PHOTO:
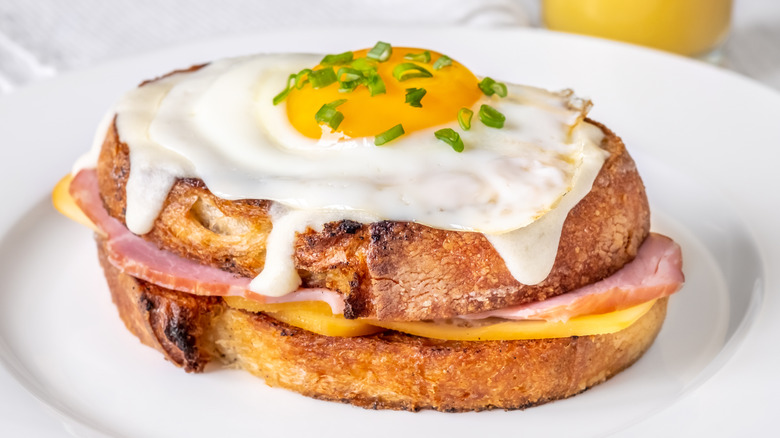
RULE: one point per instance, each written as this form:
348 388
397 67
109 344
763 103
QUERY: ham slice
142 259
656 272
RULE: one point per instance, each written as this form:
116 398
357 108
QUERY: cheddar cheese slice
317 317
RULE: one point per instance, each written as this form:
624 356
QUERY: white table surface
43 38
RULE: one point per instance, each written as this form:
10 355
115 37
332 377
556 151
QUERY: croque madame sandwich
389 230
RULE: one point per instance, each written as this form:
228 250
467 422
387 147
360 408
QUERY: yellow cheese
65 204
508 330
317 317
314 316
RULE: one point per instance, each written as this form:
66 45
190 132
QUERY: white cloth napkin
42 37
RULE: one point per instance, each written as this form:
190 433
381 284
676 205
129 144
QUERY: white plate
706 142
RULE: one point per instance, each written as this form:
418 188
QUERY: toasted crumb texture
397 371
389 370
397 270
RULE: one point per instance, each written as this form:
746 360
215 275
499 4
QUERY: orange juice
687 27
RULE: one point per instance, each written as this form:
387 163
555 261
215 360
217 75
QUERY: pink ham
142 259
656 272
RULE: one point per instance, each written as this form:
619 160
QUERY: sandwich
377 227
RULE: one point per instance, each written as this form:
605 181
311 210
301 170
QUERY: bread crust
397 270
388 370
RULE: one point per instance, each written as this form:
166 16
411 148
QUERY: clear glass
688 27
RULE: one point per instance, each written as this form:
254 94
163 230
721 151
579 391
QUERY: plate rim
746 326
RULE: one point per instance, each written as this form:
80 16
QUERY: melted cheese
309 315
65 204
317 317
529 329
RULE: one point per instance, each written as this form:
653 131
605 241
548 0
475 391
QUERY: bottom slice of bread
388 370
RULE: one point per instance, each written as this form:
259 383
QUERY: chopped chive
491 117
391 134
464 118
348 74
348 87
414 96
419 57
375 84
349 79
490 87
364 64
299 81
329 115
337 59
486 85
443 61
322 77
381 52
500 89
336 103
279 98
450 137
407 70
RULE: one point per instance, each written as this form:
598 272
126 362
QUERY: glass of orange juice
689 27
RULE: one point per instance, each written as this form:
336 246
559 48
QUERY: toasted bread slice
398 270
388 370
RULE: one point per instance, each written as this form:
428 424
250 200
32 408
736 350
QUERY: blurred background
43 38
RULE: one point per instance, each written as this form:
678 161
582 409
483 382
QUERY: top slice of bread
397 270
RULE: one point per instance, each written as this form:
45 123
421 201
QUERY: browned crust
398 270
389 370
172 322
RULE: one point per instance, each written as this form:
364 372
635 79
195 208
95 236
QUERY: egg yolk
448 90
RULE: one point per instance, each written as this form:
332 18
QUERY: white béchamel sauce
516 185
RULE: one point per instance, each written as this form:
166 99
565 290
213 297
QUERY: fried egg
253 128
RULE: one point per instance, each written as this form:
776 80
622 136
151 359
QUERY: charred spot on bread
172 322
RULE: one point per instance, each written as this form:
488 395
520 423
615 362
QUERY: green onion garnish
348 87
414 96
450 137
407 70
391 134
279 98
329 115
490 87
381 52
339 59
337 102
491 117
500 89
464 118
299 81
443 61
322 77
375 84
419 57
349 79
363 64
348 74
